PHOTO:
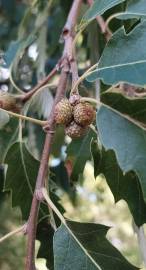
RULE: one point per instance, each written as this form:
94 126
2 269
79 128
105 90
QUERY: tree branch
67 35
28 95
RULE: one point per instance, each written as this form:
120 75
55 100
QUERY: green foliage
99 7
114 147
123 66
125 138
78 152
15 48
90 250
8 135
134 9
135 108
21 176
123 186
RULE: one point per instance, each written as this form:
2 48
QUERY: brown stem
104 29
28 95
49 137
32 223
72 18
67 35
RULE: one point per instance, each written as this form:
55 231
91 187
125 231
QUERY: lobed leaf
117 64
126 139
123 186
21 176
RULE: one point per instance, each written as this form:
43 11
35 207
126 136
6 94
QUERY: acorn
63 112
75 131
84 114
9 102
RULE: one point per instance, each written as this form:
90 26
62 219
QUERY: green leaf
78 152
117 64
93 250
127 139
99 7
134 9
8 135
136 108
21 176
126 187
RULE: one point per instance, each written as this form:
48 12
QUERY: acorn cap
84 114
63 112
75 131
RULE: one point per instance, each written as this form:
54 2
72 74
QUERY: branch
102 24
28 95
67 35
8 235
75 76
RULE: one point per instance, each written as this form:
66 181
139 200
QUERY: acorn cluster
75 115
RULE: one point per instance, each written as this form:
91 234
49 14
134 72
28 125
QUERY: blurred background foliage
40 28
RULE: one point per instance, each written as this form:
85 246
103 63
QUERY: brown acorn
63 112
84 114
10 103
75 131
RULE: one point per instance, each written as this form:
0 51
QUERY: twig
80 79
102 24
74 70
94 129
8 235
25 97
23 117
28 95
67 35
